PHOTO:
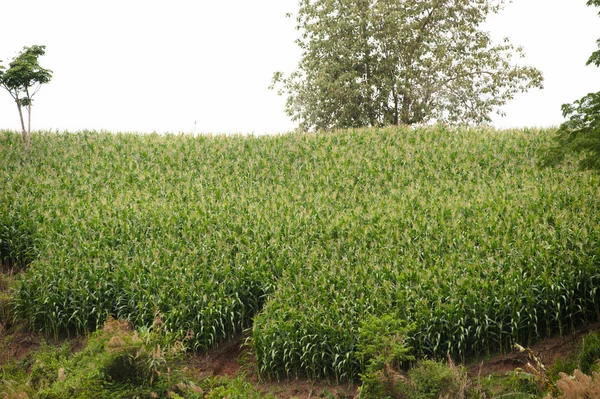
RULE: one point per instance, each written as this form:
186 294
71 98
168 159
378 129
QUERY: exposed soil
223 360
15 345
547 351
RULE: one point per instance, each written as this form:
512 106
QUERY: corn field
299 237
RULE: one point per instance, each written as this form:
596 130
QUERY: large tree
581 132
595 57
22 80
380 62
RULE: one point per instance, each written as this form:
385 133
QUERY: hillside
301 238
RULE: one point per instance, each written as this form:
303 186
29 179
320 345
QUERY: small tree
22 80
581 132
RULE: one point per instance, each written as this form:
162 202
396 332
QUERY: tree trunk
395 107
23 131
28 125
405 110
28 117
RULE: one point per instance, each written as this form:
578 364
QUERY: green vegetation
116 362
585 358
581 132
455 232
22 80
379 63
571 378
590 354
382 349
428 379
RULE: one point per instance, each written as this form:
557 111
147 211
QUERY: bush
431 379
116 358
590 353
382 350
567 366
237 388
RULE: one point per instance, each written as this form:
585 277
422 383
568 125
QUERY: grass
299 237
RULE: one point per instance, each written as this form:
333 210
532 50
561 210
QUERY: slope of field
302 237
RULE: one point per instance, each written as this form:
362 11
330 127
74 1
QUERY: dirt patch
222 360
15 345
548 351
17 342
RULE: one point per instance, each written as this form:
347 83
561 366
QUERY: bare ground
548 351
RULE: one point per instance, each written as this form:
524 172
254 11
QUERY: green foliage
117 362
580 134
24 72
17 237
567 366
116 358
595 57
453 231
521 384
23 79
589 356
46 365
432 380
381 342
237 388
382 349
428 379
375 63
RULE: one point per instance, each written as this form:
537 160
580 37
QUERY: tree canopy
580 134
381 62
23 79
595 57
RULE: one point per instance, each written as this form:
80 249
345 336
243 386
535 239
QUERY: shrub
431 379
590 353
382 349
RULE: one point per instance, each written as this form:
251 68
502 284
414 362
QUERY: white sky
162 66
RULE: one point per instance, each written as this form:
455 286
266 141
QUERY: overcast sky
201 65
